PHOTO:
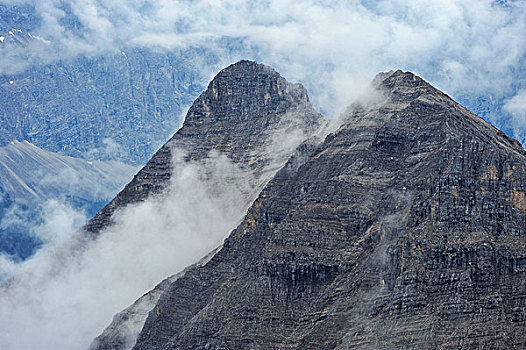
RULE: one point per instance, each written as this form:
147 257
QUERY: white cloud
68 292
333 47
516 106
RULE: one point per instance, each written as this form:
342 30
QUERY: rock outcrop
248 113
251 115
404 229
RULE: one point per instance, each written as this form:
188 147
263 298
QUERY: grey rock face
249 113
127 324
403 229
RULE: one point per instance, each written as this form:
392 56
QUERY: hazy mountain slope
251 115
31 173
404 229
119 105
16 239
30 176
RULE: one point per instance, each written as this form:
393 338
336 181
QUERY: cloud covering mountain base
69 291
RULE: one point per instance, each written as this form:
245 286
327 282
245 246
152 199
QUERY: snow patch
39 38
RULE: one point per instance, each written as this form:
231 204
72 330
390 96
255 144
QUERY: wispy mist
68 292
516 106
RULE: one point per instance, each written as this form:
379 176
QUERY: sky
473 50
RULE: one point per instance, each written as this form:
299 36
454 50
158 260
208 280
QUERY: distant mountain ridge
120 105
113 107
33 174
30 176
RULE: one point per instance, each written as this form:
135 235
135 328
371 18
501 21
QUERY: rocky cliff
248 113
405 229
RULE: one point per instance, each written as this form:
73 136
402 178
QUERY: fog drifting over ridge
67 293
473 47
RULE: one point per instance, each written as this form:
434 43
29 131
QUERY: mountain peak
239 115
244 69
406 91
247 65
403 85
243 89
411 213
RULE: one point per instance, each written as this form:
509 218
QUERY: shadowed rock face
405 228
243 114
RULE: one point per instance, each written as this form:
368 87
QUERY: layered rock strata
248 113
404 229
251 115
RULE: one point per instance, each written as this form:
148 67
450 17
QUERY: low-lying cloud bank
66 294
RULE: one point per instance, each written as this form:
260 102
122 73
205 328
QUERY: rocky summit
245 114
403 229
250 115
